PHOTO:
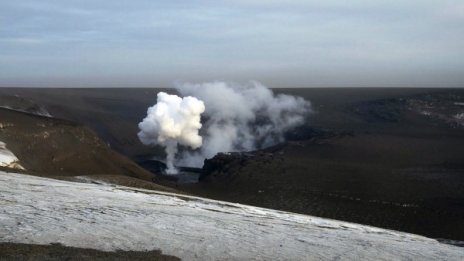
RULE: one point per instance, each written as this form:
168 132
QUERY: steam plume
242 117
171 121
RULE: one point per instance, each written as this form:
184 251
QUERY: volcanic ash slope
38 210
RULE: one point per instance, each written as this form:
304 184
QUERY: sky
152 43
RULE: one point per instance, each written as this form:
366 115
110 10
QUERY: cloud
296 43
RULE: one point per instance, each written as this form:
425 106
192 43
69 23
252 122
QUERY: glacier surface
37 210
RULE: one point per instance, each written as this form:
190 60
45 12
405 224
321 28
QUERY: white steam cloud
172 121
241 118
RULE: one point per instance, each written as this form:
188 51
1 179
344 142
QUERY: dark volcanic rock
382 110
224 165
154 166
312 134
442 108
158 168
306 132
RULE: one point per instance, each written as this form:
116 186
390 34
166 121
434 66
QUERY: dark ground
60 148
391 158
56 252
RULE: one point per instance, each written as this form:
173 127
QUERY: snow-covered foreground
42 211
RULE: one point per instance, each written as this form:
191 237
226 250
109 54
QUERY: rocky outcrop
224 166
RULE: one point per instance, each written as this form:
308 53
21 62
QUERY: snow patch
40 111
8 159
459 116
426 113
38 210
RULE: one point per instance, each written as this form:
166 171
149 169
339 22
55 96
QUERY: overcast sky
149 43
